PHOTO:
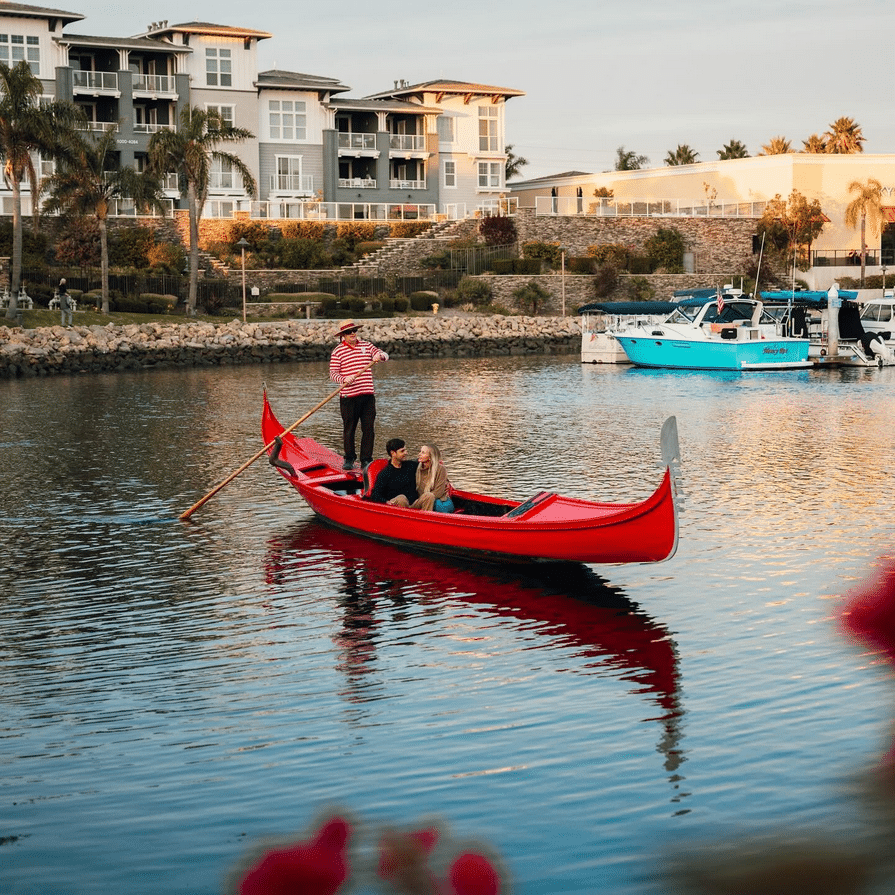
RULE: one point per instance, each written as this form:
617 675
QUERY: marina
179 694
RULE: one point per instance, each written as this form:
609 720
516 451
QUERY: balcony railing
145 127
850 258
407 142
357 183
352 140
407 184
94 81
292 183
617 208
324 211
98 126
127 208
154 84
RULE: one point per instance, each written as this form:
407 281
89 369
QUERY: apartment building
415 151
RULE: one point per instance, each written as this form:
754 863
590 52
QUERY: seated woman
432 482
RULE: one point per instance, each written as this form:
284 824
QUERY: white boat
861 342
734 333
600 320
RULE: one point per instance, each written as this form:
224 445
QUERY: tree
514 164
776 146
815 144
189 152
790 224
27 127
89 182
666 250
733 149
844 137
629 160
867 205
683 155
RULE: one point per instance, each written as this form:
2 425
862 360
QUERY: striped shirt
347 361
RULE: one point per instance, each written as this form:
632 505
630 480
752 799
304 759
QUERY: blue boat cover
811 298
628 307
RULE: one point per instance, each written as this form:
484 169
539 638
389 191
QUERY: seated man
396 483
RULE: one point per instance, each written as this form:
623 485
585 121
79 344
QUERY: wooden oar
186 515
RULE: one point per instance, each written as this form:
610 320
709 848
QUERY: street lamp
884 280
243 244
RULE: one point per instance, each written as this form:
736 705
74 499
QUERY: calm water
175 693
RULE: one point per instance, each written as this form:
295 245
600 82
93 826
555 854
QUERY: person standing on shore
357 402
64 303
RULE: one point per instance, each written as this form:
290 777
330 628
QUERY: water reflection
568 605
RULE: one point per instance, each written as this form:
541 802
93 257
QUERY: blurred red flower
473 874
869 612
318 865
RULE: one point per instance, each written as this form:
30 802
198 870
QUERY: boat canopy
706 294
807 297
633 308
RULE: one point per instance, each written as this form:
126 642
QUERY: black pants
359 409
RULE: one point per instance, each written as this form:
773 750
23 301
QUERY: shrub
581 265
356 304
130 247
640 289
256 233
498 230
531 297
386 302
367 247
610 253
640 264
605 280
401 304
304 230
666 250
422 301
302 254
473 291
437 261
156 303
548 252
409 229
166 256
356 231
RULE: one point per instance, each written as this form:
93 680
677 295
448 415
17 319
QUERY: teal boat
716 333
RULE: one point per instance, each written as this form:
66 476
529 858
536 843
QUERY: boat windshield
682 315
877 311
732 312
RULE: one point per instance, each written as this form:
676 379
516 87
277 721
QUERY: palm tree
626 160
683 155
514 164
777 146
844 137
815 144
26 128
866 205
733 149
89 181
189 152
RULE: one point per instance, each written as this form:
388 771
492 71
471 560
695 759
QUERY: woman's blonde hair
428 483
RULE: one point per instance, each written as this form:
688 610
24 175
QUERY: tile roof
442 85
159 28
25 10
295 80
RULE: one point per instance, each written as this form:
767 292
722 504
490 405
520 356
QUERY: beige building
737 188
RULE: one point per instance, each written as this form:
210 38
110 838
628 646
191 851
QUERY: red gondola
545 528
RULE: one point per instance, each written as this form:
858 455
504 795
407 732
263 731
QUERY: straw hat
349 326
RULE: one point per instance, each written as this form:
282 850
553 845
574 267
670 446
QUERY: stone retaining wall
51 350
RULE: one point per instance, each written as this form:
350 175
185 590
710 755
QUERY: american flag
720 301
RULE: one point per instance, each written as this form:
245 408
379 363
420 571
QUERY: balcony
293 184
96 83
154 86
357 183
407 184
407 142
99 127
357 144
145 127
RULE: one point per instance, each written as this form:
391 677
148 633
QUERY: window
450 174
489 175
226 113
287 120
15 48
221 174
487 129
445 127
218 67
288 178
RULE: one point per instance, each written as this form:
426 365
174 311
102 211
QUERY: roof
379 105
25 11
551 177
455 88
137 43
157 29
277 79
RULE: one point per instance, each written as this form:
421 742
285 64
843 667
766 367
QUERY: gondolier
357 402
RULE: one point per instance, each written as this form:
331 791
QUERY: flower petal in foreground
318 865
869 612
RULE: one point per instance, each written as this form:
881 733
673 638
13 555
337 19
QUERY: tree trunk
15 269
194 249
863 247
104 262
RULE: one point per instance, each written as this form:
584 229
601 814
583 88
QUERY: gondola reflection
570 604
